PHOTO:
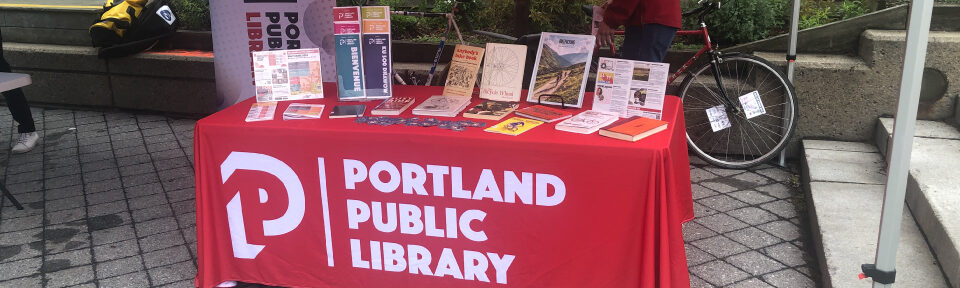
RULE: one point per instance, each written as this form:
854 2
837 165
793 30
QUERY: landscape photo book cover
561 68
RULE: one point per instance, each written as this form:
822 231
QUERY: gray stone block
177 95
173 273
68 88
842 166
137 279
122 266
719 273
82 58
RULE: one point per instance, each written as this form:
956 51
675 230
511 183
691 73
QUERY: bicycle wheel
746 139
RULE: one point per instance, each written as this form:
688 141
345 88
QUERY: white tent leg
791 55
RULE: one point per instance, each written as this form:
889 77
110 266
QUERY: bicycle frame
707 48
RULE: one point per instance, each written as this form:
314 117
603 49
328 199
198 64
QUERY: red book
544 113
633 128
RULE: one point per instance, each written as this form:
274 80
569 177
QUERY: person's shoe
25 143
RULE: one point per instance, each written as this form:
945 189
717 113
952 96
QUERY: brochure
491 110
462 76
631 88
392 106
346 38
303 111
503 72
377 60
544 113
282 75
261 111
439 105
514 126
587 122
561 68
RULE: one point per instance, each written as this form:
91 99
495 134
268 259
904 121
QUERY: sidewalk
110 203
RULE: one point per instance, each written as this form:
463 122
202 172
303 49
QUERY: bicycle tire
697 96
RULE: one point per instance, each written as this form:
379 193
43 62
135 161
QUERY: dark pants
16 101
647 43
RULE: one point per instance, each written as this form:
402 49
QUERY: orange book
633 128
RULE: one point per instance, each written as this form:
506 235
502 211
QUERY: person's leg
16 101
655 40
632 41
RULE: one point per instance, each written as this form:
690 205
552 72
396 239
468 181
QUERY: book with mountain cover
491 110
561 68
633 128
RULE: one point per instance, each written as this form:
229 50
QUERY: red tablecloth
290 203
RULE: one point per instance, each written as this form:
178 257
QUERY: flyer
346 33
261 111
287 75
631 88
377 60
298 111
464 66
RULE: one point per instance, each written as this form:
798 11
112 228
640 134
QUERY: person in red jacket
650 27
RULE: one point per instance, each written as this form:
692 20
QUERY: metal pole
918 30
791 56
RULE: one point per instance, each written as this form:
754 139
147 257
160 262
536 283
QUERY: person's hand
605 34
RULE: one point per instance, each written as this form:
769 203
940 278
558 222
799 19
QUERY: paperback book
440 105
393 106
462 76
281 75
261 111
544 113
298 111
377 60
346 38
631 88
491 110
561 68
587 122
514 126
633 128
347 111
503 72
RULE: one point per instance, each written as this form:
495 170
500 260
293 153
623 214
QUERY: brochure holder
563 104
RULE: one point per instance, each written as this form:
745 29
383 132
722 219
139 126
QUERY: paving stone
58 240
789 278
120 144
786 253
162 146
697 175
68 277
170 137
107 208
137 180
693 231
61 171
696 282
184 207
100 165
161 241
180 183
147 201
26 168
151 213
126 136
65 216
173 163
101 175
721 223
783 229
695 256
122 129
754 263
32 281
135 159
65 192
187 220
20 237
130 151
753 238
723 172
10 253
57 262
783 208
169 154
121 266
702 211
115 250
167 256
721 203
22 223
777 190
136 279
719 273
102 186
21 268
181 194
25 187
113 235
753 179
176 173
173 273
156 226
137 169
95 148
24 177
777 174
752 215
143 190
719 187
720 246
751 197
27 197
700 192
64 204
180 284
751 283
105 197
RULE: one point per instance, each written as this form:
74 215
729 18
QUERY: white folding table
10 81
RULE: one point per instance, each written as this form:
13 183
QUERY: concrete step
933 188
48 23
845 185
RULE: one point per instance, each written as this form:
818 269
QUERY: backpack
127 27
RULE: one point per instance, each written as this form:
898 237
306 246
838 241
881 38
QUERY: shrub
193 14
743 21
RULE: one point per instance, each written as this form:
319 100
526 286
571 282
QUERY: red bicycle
740 110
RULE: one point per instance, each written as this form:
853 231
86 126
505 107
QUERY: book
303 111
439 105
503 72
346 38
347 111
282 75
587 122
491 110
561 68
630 88
261 111
462 75
392 106
544 113
514 126
633 128
377 56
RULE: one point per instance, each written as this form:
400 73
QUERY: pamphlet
440 105
587 122
752 105
261 111
377 60
464 66
491 110
631 88
561 68
544 113
718 118
503 72
346 37
282 75
298 111
514 126
392 106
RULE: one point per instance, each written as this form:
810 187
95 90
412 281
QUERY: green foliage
193 14
742 21
814 18
850 9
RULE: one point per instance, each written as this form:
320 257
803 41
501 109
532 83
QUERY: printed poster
464 66
503 72
561 68
631 88
287 75
346 25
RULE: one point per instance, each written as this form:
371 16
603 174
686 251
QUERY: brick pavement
110 203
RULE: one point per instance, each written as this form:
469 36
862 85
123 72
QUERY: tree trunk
522 17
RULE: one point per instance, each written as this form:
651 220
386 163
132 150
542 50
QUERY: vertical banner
377 60
242 27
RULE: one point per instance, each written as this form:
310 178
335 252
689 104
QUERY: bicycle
451 23
745 139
